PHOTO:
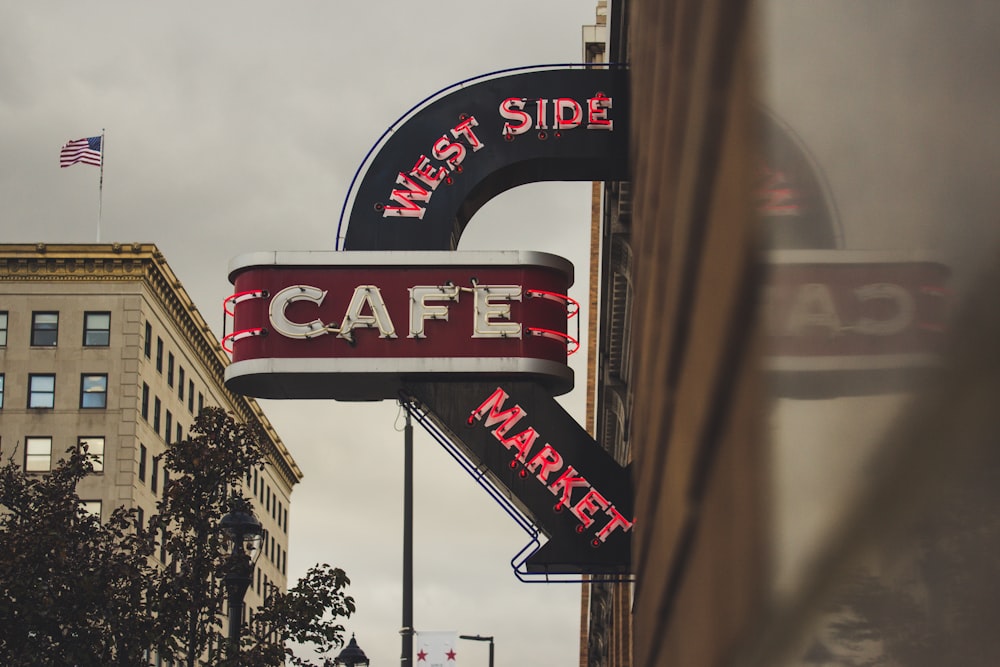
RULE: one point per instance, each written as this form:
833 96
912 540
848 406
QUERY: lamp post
479 638
242 534
352 655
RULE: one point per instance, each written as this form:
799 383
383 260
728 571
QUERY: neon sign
549 468
351 325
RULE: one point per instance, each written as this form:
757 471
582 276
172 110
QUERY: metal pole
480 638
406 657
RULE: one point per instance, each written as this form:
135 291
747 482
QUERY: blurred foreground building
815 452
101 344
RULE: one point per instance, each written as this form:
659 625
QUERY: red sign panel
355 325
853 319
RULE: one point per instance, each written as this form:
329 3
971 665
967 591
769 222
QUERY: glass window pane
94 393
3 329
44 329
38 454
41 391
92 507
95 448
1 391
97 329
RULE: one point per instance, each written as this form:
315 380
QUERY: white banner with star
436 649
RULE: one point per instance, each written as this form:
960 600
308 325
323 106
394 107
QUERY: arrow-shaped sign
570 487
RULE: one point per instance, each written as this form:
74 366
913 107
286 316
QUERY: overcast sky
234 127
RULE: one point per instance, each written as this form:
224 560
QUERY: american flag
87 151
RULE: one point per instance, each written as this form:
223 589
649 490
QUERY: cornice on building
117 262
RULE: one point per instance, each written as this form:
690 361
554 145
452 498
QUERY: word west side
450 150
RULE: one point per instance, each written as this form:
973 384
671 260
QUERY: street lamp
352 655
242 534
478 638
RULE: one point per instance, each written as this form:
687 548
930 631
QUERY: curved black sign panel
451 157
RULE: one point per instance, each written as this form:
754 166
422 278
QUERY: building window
191 396
170 369
94 391
1 391
147 345
92 507
95 449
37 453
201 402
3 328
96 329
154 477
145 401
156 415
180 433
44 329
180 383
170 425
140 518
159 355
142 462
41 391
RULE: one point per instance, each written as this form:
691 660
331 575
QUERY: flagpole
100 191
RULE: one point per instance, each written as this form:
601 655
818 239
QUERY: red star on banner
421 655
451 654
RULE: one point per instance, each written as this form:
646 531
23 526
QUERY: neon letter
371 296
486 312
420 310
424 171
563 123
510 109
508 417
450 153
617 521
548 459
567 482
464 129
597 113
286 327
590 503
905 309
413 193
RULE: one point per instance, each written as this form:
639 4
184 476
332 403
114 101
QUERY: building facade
801 506
100 344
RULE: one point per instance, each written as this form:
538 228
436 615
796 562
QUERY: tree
205 473
74 591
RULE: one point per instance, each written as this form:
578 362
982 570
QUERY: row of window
38 452
178 379
45 328
42 390
270 501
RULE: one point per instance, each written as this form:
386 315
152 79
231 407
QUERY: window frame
37 330
29 440
88 330
98 465
1 390
33 392
84 393
4 327
88 507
